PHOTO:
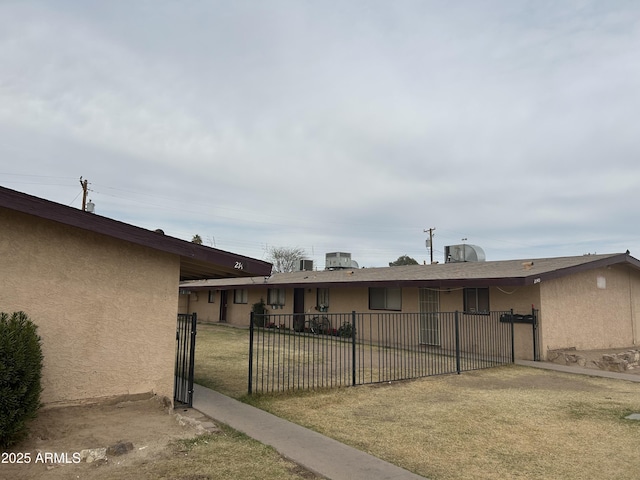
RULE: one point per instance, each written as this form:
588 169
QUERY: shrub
346 330
259 310
20 374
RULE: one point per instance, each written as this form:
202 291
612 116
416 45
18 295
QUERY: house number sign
239 266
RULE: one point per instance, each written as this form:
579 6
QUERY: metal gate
185 358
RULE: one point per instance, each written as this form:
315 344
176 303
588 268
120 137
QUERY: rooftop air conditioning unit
336 260
305 265
463 253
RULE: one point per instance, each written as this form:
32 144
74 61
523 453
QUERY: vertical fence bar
192 357
457 334
536 355
513 337
353 348
177 387
250 386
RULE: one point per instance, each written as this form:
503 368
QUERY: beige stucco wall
573 311
237 313
591 310
347 299
105 309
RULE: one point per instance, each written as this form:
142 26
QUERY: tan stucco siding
589 310
236 313
105 309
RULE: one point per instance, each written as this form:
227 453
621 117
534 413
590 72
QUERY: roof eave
196 261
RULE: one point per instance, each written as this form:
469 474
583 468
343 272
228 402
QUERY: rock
573 359
120 448
91 455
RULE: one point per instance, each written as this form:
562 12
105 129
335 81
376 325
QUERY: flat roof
196 261
445 275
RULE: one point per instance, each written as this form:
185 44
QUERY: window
382 298
212 296
476 300
275 296
322 303
240 295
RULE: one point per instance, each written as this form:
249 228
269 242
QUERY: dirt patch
59 435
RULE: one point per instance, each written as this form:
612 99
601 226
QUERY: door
429 321
223 305
298 309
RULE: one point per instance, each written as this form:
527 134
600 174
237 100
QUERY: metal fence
185 359
322 350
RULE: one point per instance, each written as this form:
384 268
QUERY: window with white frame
385 298
275 296
240 295
476 300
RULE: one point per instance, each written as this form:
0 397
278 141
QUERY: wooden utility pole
431 230
85 188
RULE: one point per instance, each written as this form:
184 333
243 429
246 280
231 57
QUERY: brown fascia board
439 283
621 258
237 265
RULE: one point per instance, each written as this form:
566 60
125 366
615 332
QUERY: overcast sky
327 125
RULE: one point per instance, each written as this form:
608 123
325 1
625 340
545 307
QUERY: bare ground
66 431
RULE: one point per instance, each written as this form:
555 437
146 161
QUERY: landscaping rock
566 357
120 448
620 362
91 455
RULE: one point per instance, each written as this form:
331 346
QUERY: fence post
250 387
192 356
536 354
513 339
353 348
457 332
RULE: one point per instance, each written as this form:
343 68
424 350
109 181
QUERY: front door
298 309
223 305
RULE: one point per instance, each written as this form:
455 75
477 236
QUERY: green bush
346 330
259 310
20 374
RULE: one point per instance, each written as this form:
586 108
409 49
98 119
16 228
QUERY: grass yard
505 422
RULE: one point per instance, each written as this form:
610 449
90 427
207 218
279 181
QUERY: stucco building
103 293
586 302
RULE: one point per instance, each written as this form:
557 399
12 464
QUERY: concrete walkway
631 377
320 454
317 453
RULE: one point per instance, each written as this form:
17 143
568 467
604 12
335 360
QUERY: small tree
284 259
403 260
20 375
197 239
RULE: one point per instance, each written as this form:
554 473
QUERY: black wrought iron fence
185 358
322 350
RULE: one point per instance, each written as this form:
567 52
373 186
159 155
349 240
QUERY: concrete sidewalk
631 377
315 452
